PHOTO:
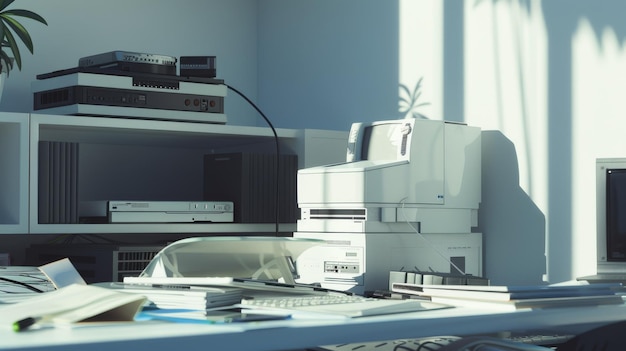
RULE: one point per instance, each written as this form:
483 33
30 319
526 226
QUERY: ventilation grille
132 262
53 98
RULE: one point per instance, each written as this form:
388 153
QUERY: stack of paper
19 283
71 304
182 296
516 297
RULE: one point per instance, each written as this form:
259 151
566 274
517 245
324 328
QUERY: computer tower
249 181
96 262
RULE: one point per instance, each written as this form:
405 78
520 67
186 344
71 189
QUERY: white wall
77 28
506 91
543 79
551 75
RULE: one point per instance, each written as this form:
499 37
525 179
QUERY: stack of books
434 278
517 297
182 297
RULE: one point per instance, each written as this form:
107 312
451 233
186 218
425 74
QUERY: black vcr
127 98
106 92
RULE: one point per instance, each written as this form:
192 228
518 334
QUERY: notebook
247 284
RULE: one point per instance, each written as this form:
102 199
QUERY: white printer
407 197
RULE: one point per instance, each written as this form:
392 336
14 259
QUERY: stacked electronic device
126 85
134 85
170 211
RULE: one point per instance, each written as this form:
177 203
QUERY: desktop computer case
361 262
249 181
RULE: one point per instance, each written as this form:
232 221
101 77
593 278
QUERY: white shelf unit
123 157
14 173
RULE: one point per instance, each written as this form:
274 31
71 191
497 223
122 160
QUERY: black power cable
277 204
25 285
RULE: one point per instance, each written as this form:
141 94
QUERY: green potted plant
11 30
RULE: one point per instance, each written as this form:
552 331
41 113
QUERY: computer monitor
382 140
611 215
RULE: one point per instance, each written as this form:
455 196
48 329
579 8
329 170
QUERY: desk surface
300 333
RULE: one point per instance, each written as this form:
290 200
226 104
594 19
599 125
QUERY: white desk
295 334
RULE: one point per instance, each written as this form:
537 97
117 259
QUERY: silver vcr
170 211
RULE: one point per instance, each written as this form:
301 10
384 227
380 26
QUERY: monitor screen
385 141
616 214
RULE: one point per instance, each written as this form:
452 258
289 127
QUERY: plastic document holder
259 258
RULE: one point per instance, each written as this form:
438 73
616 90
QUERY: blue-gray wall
541 78
226 29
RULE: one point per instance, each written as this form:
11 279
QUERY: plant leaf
9 27
405 90
406 101
21 32
14 49
417 86
25 14
409 99
5 60
5 3
19 29
402 108
417 95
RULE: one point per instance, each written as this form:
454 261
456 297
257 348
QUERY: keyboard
540 338
421 344
522 341
339 304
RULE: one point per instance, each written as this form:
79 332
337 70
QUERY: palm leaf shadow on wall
410 104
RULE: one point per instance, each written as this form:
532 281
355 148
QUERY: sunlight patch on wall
421 58
506 82
598 125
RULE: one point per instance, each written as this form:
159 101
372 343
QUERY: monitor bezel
603 166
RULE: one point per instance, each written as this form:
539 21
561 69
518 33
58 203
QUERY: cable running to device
25 285
276 207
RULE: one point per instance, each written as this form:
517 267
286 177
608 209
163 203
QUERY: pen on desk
25 323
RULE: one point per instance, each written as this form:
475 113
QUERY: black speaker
249 181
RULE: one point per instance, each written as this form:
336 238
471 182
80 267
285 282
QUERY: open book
72 304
